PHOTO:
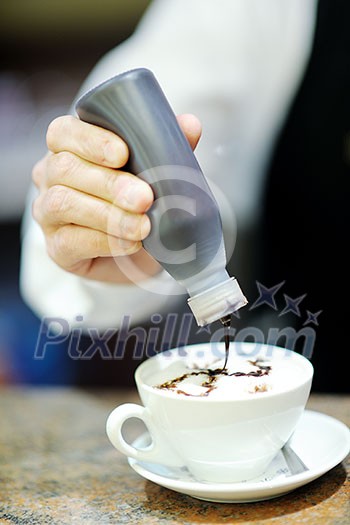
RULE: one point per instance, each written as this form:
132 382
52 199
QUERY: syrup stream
226 321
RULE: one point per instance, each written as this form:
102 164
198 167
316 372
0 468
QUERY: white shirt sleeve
236 64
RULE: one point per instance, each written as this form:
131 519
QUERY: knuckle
56 128
111 183
94 243
109 219
36 210
56 201
53 129
37 173
60 247
62 164
50 248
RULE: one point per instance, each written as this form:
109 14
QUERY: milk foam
243 377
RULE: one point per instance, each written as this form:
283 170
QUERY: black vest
307 200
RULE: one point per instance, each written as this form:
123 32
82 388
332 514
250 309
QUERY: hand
90 210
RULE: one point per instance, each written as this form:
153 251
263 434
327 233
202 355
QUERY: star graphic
237 314
312 318
292 305
206 329
266 295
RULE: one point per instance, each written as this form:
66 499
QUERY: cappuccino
242 377
224 422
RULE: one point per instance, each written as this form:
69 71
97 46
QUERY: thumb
191 127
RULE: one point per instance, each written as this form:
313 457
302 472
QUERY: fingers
60 206
74 247
89 211
120 188
100 146
191 127
92 143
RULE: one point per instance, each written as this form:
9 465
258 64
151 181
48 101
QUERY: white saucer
320 441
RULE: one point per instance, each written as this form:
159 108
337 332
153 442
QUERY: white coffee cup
219 439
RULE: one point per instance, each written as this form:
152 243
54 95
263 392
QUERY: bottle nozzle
226 320
218 302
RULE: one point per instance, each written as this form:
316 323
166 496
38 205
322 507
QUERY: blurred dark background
47 50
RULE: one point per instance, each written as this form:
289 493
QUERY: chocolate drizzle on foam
212 376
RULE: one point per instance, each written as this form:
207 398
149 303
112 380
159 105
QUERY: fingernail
134 195
145 226
134 227
110 153
116 154
129 245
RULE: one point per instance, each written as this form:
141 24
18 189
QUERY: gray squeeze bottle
186 233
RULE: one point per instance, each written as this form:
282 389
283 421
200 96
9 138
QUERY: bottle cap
216 302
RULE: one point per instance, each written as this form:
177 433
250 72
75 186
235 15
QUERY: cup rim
267 395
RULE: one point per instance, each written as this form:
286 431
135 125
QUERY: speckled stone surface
57 467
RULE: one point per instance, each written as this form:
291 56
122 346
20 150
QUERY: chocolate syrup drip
226 321
262 370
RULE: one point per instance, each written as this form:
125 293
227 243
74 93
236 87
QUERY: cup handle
159 451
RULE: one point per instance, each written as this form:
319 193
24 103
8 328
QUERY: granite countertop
58 467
